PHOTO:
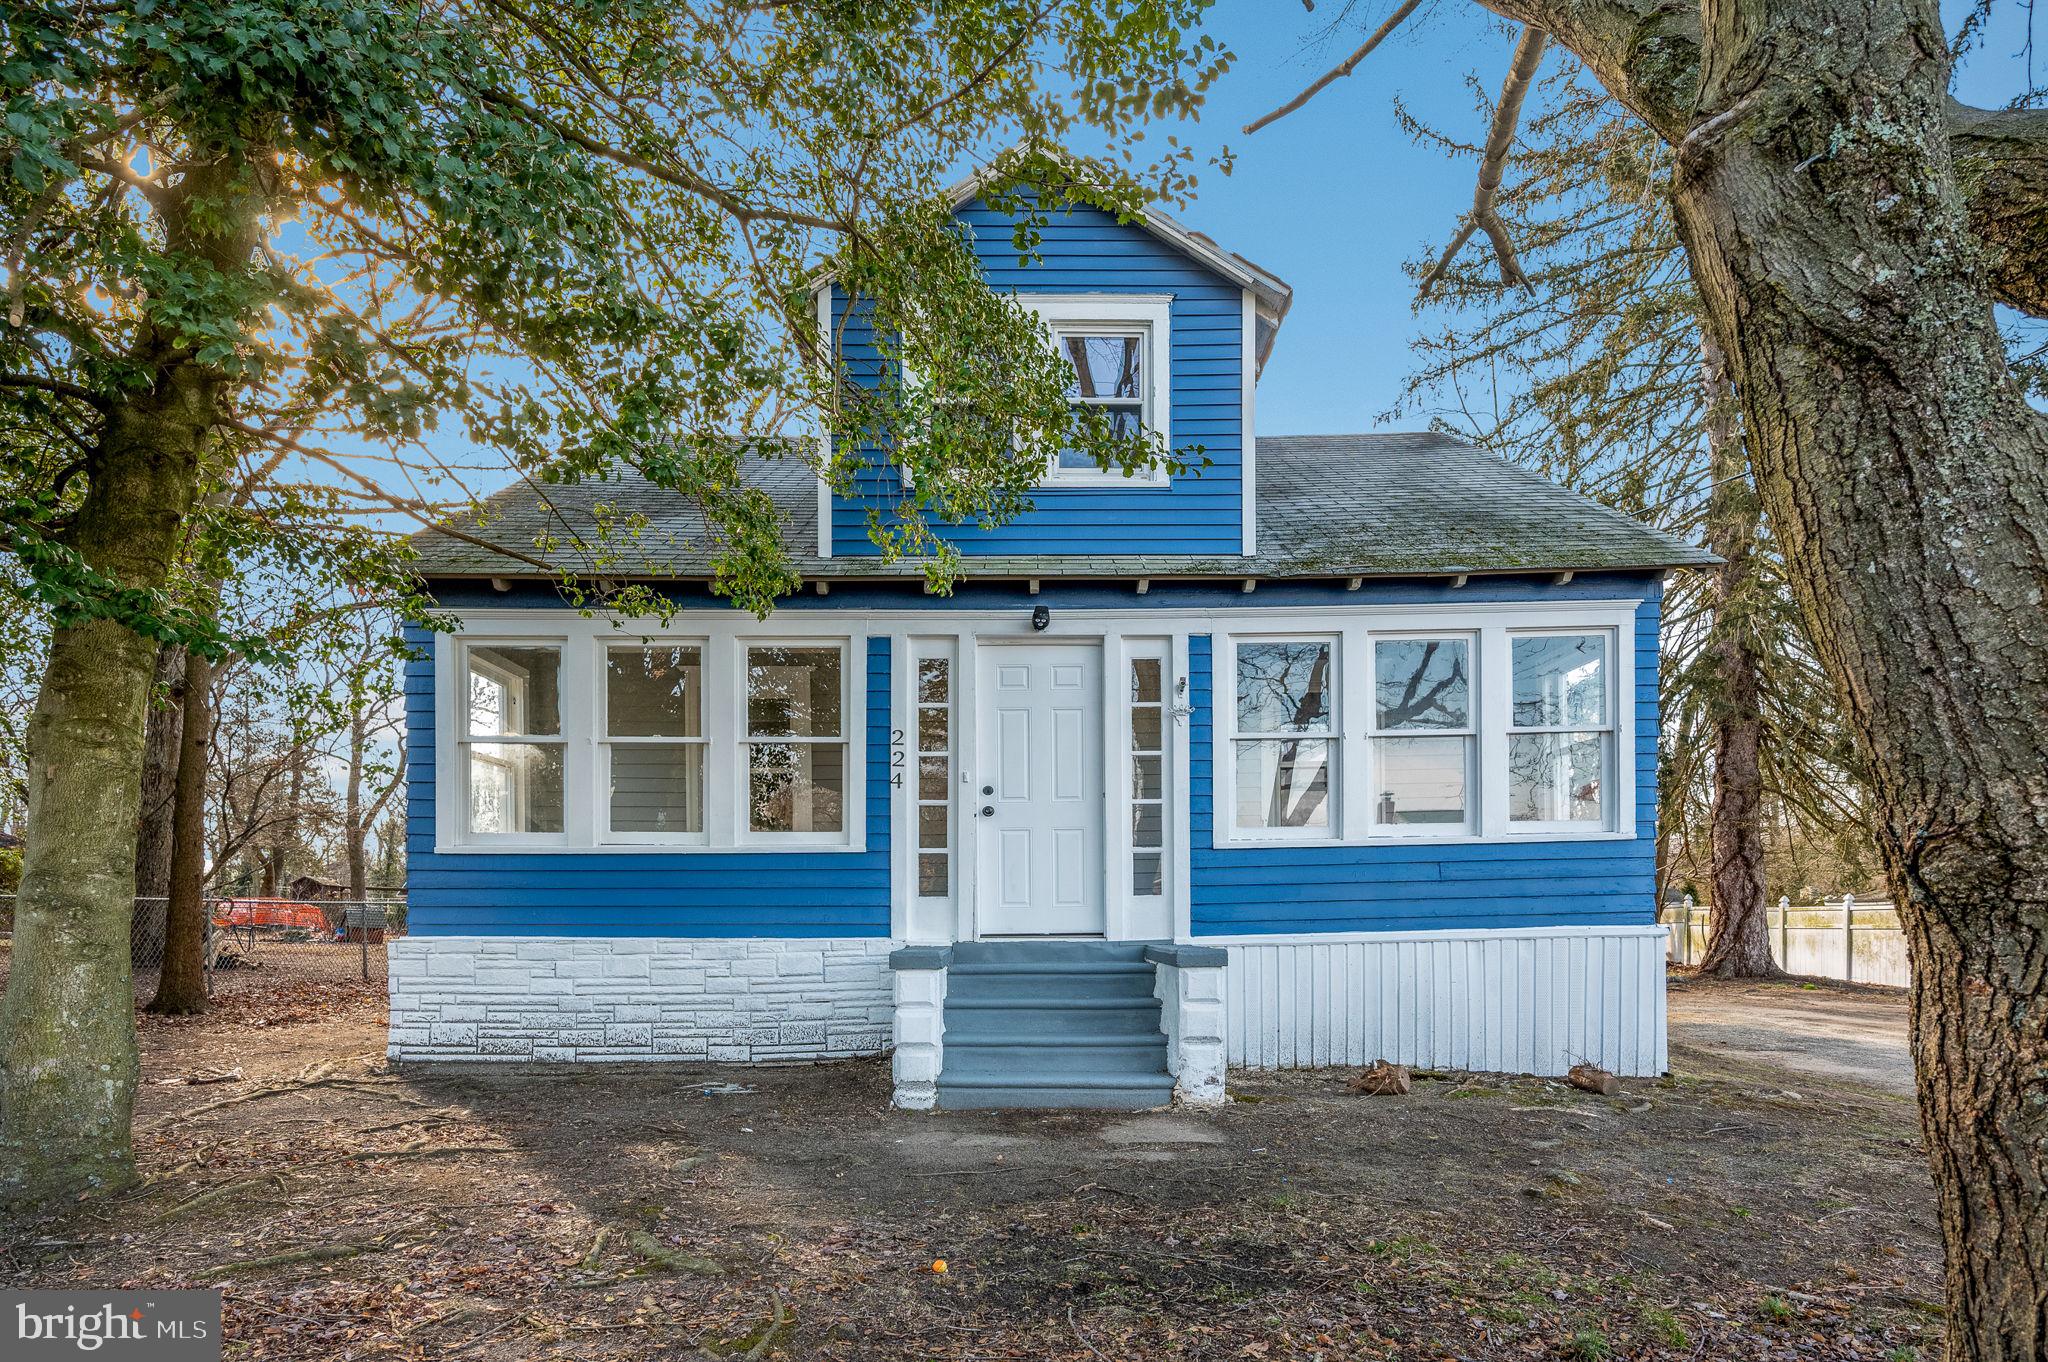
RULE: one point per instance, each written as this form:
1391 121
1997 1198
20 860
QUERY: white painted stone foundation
1191 1012
595 999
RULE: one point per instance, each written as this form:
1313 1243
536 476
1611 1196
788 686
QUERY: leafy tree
1851 229
246 236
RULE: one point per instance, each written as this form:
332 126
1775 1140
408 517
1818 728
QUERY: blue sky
1334 197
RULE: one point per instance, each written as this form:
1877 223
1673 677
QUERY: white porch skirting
1534 1001
638 998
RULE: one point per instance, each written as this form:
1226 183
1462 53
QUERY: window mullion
1495 713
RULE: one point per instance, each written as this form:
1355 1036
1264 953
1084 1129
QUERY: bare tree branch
1340 70
2002 160
680 176
1500 139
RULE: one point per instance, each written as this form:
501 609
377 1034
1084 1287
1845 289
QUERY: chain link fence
253 943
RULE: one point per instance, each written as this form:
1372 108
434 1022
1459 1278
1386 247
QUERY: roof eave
1274 295
1208 573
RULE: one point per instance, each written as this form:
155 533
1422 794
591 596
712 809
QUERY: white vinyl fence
1860 942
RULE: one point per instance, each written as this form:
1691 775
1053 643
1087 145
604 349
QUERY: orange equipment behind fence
269 913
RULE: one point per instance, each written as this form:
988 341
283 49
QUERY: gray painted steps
1057 952
1052 1024
971 1021
1121 1092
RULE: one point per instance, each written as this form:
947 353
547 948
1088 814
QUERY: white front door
1037 800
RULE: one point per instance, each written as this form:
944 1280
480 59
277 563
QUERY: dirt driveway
1835 1031
1737 1210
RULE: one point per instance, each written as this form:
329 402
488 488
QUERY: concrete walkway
1829 1030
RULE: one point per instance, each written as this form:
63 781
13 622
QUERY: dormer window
1118 345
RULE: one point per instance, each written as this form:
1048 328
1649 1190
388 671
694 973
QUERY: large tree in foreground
240 233
1850 227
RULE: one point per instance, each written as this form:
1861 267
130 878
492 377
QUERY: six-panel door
1038 799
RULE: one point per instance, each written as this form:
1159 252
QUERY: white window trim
1223 699
465 741
1491 624
1610 753
585 768
1081 313
1373 733
605 744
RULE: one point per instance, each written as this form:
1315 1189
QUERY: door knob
988 811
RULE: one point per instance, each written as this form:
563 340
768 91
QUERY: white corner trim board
639 998
1534 1002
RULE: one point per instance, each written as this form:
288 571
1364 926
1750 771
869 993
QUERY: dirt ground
1751 1206
1833 1030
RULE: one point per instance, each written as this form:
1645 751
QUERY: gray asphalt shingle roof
1379 505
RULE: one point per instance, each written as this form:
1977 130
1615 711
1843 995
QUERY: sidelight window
933 794
1148 776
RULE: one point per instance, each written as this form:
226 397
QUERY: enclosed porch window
796 738
1283 754
512 739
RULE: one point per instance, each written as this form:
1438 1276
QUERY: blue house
1343 749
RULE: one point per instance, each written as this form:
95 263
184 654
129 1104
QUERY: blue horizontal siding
1305 888
1297 888
1087 251
587 893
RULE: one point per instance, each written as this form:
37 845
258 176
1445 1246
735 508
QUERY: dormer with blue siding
1160 323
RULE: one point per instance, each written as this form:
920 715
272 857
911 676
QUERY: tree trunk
276 865
353 824
1907 480
67 1025
1739 938
153 821
181 988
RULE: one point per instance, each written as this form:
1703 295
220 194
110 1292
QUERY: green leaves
554 241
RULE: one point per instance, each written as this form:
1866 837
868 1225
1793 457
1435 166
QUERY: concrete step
968 1059
1051 983
1079 969
1052 1088
1001 1017
1065 952
1053 1024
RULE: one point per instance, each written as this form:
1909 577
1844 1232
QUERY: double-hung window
796 738
1561 735
512 739
1117 348
1422 734
1282 744
654 740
